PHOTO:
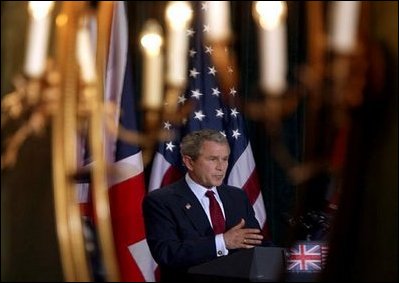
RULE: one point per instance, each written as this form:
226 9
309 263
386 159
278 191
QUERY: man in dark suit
185 225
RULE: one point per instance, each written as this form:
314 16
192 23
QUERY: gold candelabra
59 97
72 104
331 84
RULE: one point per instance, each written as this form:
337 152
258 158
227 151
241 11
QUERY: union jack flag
307 257
126 188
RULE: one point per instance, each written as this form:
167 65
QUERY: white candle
177 60
273 60
272 46
153 81
344 25
85 54
153 66
217 17
178 15
38 37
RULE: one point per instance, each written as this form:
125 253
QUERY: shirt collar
197 189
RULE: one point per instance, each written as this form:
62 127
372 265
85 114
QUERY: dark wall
29 245
364 240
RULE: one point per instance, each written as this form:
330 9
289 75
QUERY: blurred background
362 230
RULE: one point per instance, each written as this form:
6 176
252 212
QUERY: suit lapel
193 209
228 206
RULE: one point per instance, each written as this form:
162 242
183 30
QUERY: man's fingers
254 236
252 231
239 225
252 242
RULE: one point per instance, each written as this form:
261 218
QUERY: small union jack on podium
306 259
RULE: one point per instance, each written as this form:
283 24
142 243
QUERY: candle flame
40 9
152 43
270 13
152 40
178 14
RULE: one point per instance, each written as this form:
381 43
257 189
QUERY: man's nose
220 164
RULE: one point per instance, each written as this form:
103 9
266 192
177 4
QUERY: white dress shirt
199 191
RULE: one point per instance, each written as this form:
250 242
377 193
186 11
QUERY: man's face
210 167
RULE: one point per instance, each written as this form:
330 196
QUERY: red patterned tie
216 213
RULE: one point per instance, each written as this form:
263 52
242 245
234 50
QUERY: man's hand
240 237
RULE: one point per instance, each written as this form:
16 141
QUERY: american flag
210 112
307 257
127 186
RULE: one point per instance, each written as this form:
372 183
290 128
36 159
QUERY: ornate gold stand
59 96
68 218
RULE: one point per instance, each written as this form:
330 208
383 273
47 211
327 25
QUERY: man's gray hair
191 144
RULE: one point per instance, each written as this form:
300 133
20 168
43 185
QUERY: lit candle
217 17
344 25
85 55
178 15
153 65
38 37
272 46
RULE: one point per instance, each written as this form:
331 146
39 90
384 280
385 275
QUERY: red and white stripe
243 175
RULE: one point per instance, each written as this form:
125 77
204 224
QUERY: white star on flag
233 91
167 125
196 93
234 112
208 49
190 32
199 115
192 52
236 134
181 99
219 113
170 146
194 73
215 91
212 71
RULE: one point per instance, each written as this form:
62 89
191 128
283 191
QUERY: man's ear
188 162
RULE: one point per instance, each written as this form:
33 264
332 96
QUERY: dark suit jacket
178 231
